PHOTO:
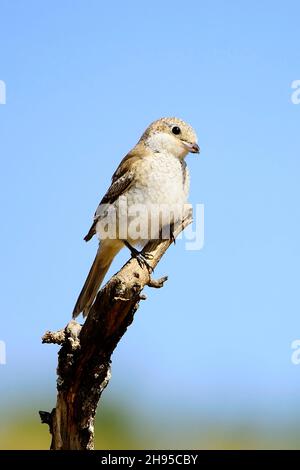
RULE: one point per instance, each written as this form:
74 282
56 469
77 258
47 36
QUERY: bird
153 174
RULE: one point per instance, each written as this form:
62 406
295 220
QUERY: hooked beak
192 148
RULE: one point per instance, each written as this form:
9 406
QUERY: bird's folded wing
122 179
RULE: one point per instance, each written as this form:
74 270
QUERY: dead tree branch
85 355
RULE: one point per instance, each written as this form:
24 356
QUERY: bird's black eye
176 130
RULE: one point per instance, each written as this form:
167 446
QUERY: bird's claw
140 256
142 260
148 256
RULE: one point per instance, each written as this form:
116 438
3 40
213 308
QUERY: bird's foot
142 258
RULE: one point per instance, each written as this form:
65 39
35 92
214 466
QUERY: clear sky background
83 81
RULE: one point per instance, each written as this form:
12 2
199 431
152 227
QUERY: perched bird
153 174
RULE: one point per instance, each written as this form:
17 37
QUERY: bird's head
171 135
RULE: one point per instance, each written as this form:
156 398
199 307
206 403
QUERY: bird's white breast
162 179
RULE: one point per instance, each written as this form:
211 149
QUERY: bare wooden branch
85 356
54 337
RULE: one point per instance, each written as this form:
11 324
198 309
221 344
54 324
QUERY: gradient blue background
83 81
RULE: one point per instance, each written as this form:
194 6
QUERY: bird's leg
172 233
139 256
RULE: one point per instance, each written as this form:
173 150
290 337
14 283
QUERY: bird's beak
195 148
192 148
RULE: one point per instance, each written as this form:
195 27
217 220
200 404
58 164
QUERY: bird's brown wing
122 179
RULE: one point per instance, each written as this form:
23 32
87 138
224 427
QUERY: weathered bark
85 355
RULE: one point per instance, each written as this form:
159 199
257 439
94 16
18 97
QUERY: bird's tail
100 266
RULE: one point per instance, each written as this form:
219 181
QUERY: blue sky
83 81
